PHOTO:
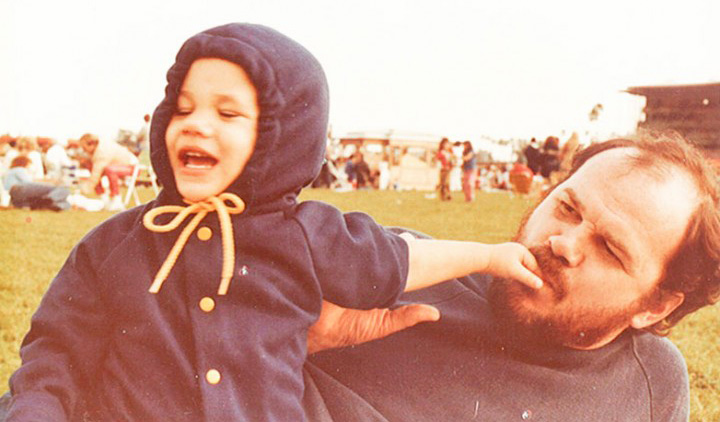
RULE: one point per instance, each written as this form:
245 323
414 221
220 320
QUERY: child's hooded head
245 111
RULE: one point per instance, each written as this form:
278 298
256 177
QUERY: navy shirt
462 369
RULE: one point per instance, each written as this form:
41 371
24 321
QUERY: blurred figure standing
141 137
445 159
362 171
550 156
384 172
469 168
567 152
456 172
533 155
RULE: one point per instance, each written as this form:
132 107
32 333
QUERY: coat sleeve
61 351
357 262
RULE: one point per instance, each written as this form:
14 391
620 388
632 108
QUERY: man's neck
600 343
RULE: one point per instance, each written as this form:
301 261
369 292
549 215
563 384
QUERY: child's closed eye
229 113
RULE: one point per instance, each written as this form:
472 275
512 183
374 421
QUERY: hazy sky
464 69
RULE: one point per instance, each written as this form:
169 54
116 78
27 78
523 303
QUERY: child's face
212 134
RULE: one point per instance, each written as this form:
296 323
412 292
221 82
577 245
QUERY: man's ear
656 312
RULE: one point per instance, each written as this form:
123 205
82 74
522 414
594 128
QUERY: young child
147 325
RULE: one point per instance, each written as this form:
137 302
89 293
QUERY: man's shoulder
667 376
657 353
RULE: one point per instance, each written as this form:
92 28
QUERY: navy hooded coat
102 347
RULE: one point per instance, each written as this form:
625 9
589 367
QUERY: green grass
34 245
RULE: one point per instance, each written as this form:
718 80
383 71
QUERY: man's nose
568 247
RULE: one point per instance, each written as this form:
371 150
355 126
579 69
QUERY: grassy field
34 244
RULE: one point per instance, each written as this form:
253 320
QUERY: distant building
692 110
411 156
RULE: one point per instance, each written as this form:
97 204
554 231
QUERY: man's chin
514 307
534 319
522 302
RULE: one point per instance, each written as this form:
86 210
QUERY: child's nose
195 124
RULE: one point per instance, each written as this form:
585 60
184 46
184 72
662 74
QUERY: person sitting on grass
628 244
141 324
24 193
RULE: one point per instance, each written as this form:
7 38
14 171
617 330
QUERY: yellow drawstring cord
201 209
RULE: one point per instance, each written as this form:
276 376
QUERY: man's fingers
339 327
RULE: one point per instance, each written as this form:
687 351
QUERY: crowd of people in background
460 168
42 173
536 165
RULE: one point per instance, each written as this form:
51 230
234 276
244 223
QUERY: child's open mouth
195 159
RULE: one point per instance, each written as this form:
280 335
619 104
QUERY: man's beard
578 326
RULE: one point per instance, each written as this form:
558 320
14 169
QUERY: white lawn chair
133 181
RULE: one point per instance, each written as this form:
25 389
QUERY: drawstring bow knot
200 209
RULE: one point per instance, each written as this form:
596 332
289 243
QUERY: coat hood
292 126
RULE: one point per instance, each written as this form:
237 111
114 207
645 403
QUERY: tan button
213 376
207 304
204 233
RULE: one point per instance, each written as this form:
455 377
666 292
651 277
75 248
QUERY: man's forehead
615 159
648 209
618 165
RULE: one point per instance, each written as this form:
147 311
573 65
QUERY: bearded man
628 244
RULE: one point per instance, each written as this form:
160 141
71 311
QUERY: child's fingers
515 261
529 278
529 269
528 260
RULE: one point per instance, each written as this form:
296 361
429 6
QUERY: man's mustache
551 270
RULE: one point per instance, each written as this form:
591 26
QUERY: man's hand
340 327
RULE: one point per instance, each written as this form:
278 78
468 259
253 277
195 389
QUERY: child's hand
514 261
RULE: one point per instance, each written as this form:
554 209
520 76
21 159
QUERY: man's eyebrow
608 236
570 192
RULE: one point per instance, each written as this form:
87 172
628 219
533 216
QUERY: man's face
602 240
